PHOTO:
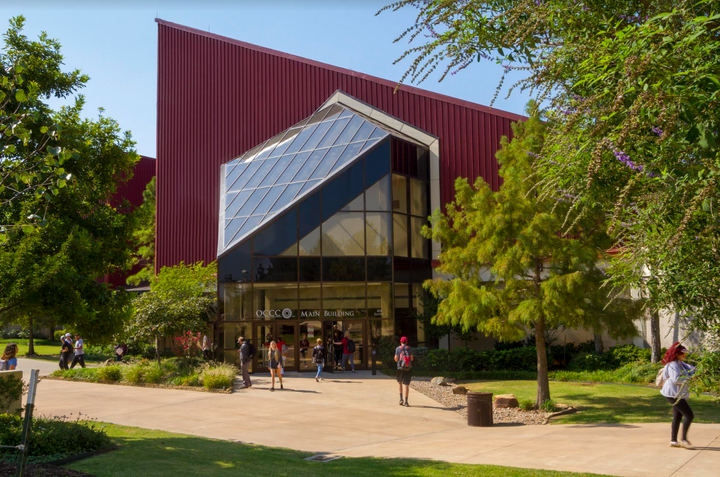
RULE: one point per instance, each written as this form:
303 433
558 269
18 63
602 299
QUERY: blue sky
115 43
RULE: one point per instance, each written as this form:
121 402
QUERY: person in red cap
674 387
404 359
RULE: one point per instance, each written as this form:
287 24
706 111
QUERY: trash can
480 409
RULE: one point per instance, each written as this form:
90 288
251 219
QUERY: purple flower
657 131
625 159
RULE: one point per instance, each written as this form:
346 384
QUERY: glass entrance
287 333
264 334
335 331
309 332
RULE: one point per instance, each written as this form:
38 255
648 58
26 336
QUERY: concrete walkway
358 415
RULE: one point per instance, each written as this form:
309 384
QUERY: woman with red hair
676 373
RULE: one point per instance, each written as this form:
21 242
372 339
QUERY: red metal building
218 97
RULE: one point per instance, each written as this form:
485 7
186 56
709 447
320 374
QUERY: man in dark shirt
66 349
244 361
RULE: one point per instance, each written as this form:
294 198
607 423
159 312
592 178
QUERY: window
236 266
236 301
310 244
419 243
279 236
399 194
310 269
377 197
379 300
379 268
378 233
344 234
343 269
275 269
310 302
275 301
400 235
342 190
418 198
343 300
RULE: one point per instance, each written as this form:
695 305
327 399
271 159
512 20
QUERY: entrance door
288 333
335 331
309 332
264 334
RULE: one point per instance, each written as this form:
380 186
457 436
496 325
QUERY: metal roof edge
337 69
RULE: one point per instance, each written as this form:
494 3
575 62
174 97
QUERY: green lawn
604 402
45 347
159 454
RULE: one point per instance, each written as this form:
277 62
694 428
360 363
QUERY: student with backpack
673 379
66 349
318 357
348 352
8 361
247 351
404 358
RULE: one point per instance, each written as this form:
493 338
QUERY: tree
513 264
144 237
181 299
52 269
632 89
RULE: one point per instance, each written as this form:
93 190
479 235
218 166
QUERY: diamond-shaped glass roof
268 178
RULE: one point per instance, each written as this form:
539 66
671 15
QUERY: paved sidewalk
358 415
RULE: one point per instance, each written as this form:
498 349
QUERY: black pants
64 360
79 358
681 411
338 356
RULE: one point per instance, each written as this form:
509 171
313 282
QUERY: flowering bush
187 345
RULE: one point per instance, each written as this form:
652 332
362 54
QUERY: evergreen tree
512 263
144 237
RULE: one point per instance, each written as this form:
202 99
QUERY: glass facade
333 243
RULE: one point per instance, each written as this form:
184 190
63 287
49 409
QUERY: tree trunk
599 347
543 384
157 348
31 338
655 335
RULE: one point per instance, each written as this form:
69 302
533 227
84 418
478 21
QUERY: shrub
52 439
153 374
186 380
134 373
548 406
527 405
625 354
109 373
58 335
78 374
516 359
218 376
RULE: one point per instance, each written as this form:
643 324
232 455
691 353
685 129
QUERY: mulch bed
40 470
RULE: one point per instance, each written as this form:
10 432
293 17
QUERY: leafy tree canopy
508 263
144 237
633 90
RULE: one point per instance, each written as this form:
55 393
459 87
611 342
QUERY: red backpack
405 361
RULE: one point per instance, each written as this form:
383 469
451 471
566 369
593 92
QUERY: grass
161 454
604 403
45 347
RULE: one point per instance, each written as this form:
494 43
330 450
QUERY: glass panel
236 264
276 171
350 130
286 197
239 184
378 233
278 236
269 199
300 139
310 269
377 162
275 301
364 132
248 227
350 152
344 234
418 198
234 173
233 331
294 166
334 132
400 235
232 356
379 268
408 328
275 269
309 214
378 133
231 228
343 269
310 244
355 332
346 113
380 328
402 269
310 165
399 193
333 112
356 205
307 186
342 190
252 202
291 251
309 332
261 173
317 136
402 300
379 300
264 335
343 300
281 148
327 162
309 300
377 197
240 199
286 332
237 301
419 243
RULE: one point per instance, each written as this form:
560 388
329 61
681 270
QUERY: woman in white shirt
675 390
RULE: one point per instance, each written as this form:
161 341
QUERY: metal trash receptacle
480 409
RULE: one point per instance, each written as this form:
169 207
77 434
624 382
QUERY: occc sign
285 313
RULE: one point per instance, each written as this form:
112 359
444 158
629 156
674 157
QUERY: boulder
506 400
460 390
439 381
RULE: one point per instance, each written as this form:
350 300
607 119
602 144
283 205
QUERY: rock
439 381
459 390
506 400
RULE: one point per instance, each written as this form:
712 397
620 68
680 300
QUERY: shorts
403 377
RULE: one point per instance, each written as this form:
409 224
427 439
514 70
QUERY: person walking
404 358
338 347
304 346
79 352
8 361
283 348
676 373
348 352
245 362
120 351
318 357
206 348
275 364
66 349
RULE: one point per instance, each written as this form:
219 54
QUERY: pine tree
510 262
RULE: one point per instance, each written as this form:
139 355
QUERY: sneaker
316 379
406 404
272 389
402 403
674 444
686 444
281 386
